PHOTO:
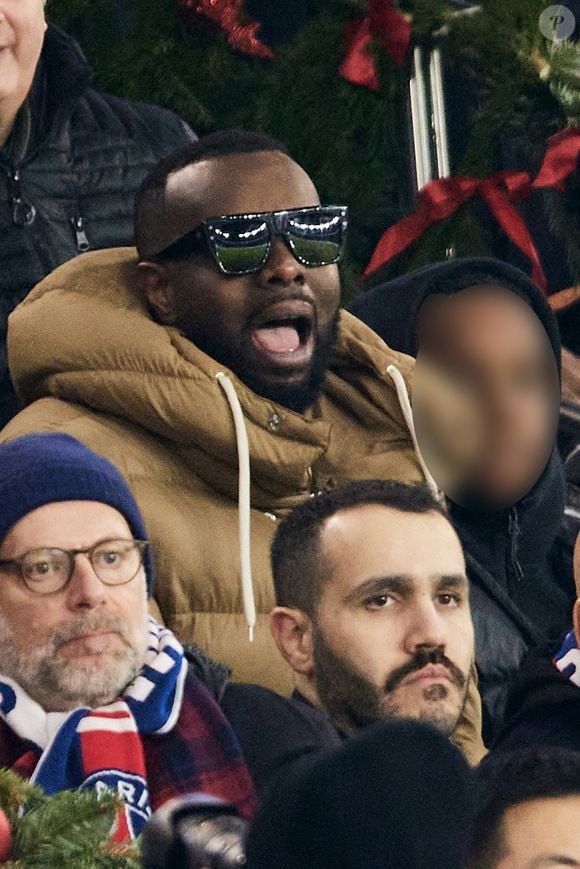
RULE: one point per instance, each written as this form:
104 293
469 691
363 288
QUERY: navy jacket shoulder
543 708
274 731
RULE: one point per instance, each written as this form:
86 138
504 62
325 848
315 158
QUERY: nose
85 590
426 627
282 267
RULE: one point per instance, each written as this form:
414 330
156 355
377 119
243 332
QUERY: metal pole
419 121
439 119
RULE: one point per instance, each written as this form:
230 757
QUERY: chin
93 681
435 706
441 717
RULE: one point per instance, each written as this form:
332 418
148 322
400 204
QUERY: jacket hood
391 309
83 335
539 517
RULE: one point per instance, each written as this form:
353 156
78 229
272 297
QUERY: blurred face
22 27
393 632
543 834
83 644
275 328
497 355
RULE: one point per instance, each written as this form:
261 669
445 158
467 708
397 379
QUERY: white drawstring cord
243 500
407 411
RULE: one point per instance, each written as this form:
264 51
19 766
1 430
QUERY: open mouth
284 333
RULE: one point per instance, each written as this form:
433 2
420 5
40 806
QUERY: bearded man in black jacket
481 320
71 159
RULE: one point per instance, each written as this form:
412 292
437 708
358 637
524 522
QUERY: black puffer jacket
68 175
519 563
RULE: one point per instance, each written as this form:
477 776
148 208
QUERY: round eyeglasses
46 570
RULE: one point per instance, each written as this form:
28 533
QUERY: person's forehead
469 318
64 524
542 833
234 184
376 540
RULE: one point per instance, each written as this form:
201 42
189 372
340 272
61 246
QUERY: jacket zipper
514 533
82 241
23 214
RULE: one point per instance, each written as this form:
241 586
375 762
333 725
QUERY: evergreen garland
353 141
69 829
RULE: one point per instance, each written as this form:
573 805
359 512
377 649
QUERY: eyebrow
403 585
543 861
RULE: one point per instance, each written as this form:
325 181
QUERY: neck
305 686
7 119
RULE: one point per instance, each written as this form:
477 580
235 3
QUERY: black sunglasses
240 243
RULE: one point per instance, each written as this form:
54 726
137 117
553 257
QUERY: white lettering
126 791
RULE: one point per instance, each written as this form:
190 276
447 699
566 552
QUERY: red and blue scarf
164 736
567 660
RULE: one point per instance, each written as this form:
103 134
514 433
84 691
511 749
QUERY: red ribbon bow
440 199
384 23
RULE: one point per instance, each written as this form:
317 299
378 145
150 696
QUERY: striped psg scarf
103 748
567 660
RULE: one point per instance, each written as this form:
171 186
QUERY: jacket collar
114 359
61 77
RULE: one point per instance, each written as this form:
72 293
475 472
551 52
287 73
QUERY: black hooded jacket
519 566
543 708
68 175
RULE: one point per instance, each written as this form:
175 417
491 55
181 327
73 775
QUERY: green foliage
353 141
563 76
15 793
529 89
71 828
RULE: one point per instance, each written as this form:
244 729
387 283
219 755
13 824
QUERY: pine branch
67 829
563 76
17 793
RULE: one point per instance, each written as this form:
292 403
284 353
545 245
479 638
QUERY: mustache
291 294
422 658
96 622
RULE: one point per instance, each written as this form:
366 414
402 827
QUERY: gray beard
60 684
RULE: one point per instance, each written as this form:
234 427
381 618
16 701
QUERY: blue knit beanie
39 469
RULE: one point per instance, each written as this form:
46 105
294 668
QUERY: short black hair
149 196
296 568
514 777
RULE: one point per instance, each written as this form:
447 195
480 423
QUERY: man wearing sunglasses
217 371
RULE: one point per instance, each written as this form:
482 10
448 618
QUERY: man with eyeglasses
94 694
215 368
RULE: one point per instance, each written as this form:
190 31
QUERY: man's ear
292 632
576 618
156 288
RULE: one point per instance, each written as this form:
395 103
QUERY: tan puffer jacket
88 360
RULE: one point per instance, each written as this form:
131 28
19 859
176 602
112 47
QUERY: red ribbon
440 199
384 23
227 13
